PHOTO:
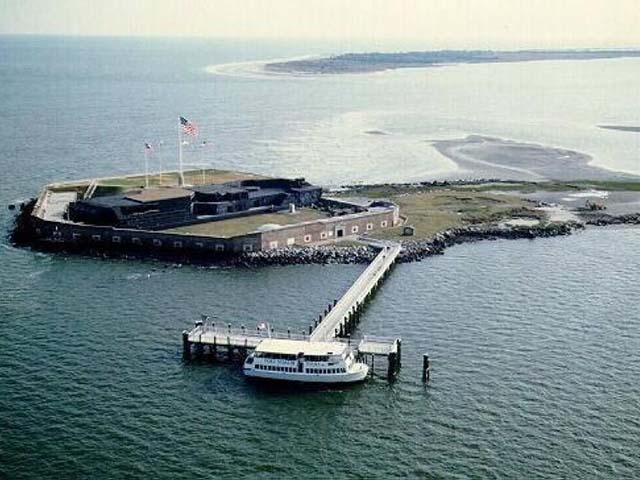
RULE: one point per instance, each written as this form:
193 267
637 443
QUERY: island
379 61
243 219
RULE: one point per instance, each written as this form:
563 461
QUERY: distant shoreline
376 62
622 128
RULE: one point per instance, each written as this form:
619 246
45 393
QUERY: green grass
430 212
619 186
243 225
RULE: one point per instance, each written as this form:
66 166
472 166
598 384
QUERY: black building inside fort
166 207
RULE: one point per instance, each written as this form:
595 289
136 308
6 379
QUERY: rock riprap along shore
413 250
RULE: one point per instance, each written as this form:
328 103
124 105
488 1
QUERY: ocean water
535 344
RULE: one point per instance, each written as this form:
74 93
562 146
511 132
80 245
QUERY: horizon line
311 39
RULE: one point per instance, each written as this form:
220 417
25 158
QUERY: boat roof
293 347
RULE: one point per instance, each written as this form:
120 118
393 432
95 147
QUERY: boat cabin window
275 356
316 358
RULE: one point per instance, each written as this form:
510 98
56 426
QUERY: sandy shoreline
489 157
257 68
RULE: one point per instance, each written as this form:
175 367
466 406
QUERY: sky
432 23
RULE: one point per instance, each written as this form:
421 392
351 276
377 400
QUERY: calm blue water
535 344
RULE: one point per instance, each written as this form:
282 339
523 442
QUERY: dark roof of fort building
148 195
220 189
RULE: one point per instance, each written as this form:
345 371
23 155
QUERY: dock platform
336 325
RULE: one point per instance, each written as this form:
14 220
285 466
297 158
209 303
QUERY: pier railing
355 297
204 333
228 330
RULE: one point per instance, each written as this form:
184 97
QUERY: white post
180 173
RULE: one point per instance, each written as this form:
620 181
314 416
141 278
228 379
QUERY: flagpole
202 159
160 164
180 174
146 166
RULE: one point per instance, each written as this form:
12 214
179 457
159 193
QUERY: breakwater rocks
413 250
429 184
323 254
21 233
416 250
604 219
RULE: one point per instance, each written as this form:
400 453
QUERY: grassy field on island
430 212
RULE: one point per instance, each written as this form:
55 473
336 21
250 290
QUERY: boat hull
358 375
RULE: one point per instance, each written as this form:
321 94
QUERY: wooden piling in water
392 367
426 368
186 345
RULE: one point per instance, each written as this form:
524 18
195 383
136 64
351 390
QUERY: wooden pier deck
338 320
206 334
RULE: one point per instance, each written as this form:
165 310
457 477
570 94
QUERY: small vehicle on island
304 362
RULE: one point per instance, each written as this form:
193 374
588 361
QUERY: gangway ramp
338 319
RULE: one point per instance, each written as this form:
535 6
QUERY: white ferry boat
306 362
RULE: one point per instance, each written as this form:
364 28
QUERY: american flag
188 127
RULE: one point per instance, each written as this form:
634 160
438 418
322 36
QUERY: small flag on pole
188 127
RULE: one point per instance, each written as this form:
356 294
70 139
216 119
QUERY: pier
336 324
341 317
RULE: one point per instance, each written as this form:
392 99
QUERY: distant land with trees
377 61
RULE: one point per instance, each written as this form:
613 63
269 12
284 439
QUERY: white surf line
256 68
